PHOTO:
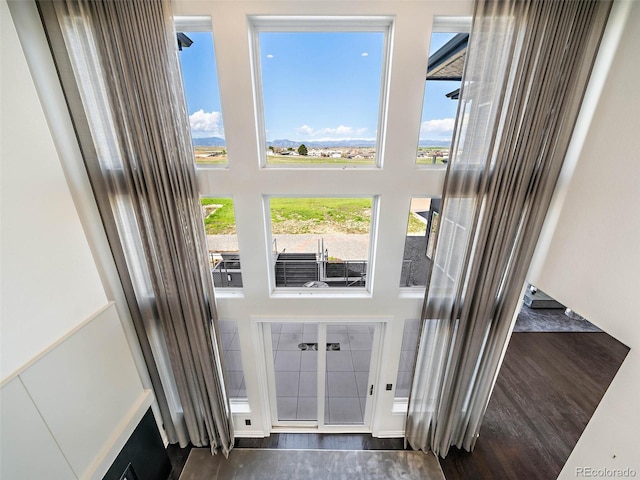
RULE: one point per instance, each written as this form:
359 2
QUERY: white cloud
364 54
437 129
305 130
269 56
206 124
341 132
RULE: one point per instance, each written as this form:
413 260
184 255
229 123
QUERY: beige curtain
120 72
528 63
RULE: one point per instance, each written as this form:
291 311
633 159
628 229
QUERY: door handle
371 390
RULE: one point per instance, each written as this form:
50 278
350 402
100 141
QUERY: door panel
348 363
320 374
295 371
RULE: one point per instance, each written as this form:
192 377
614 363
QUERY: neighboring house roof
183 41
448 62
455 95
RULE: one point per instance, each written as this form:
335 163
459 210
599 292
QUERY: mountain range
285 143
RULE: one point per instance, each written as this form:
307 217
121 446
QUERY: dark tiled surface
550 320
275 464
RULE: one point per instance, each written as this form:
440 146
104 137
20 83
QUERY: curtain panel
119 68
527 67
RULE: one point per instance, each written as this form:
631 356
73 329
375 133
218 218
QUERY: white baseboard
389 434
251 434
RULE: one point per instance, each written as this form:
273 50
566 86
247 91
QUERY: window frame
332 292
200 24
230 292
303 24
443 24
248 182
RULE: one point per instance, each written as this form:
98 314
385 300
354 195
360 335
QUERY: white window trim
200 24
196 23
458 24
264 23
333 292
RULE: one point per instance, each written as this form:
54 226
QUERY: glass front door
320 374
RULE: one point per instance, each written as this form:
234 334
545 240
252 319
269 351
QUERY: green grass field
320 215
302 215
222 220
415 225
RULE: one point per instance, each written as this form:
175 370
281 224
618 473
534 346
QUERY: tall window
200 77
446 61
321 93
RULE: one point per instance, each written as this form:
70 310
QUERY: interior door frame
266 373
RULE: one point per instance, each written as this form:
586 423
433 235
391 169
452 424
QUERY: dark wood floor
548 388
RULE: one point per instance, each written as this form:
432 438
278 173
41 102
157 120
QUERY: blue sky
316 86
321 86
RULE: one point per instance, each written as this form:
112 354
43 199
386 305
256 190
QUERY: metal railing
227 274
295 273
352 272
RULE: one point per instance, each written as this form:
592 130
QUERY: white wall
50 283
69 385
75 409
590 259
